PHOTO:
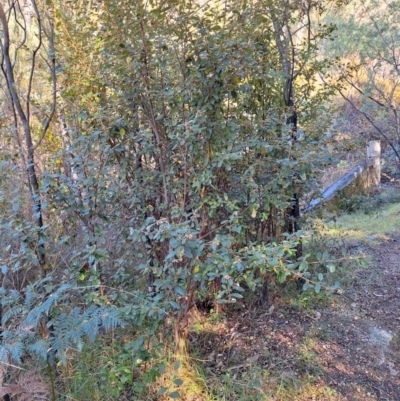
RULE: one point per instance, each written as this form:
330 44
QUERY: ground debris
353 346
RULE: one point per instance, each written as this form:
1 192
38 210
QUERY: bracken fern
44 328
30 385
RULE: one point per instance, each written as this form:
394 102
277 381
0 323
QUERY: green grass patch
359 226
361 218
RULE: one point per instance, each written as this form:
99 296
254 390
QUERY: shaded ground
347 351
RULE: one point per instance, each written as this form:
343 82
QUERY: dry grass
375 226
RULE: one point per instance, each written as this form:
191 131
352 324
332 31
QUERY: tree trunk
32 179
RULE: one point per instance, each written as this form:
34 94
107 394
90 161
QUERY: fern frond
69 330
36 313
4 354
35 386
16 350
110 318
39 348
13 312
31 297
13 297
11 390
90 323
30 386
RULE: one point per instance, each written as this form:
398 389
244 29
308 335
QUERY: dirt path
349 351
365 364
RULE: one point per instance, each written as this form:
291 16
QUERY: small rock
392 371
380 337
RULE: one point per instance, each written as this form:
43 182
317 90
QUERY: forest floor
343 347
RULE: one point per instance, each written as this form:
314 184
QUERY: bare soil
350 347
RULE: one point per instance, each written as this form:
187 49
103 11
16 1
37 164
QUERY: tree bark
285 47
32 179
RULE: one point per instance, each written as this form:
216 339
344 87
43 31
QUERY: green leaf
331 267
177 365
178 382
174 304
188 252
179 290
174 395
303 265
317 287
282 276
163 390
222 301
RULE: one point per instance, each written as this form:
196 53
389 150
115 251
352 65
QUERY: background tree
13 49
369 73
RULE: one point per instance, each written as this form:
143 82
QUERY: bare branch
353 85
5 47
51 63
366 116
33 62
24 30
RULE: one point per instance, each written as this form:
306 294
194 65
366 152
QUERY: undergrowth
112 369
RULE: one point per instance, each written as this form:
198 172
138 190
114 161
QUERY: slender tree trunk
24 118
293 224
285 45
